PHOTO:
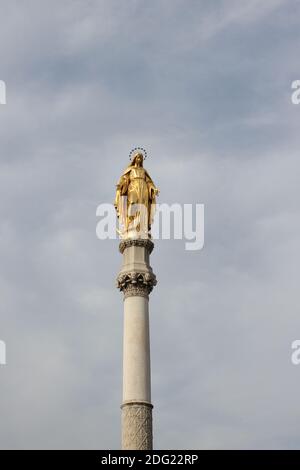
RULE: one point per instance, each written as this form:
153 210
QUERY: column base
137 425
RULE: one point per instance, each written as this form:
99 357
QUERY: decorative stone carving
132 291
142 242
137 426
135 283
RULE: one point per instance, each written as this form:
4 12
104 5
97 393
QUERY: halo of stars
138 148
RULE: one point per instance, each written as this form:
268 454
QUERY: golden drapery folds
135 200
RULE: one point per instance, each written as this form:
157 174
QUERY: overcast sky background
205 87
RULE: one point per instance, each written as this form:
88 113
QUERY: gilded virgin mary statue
135 200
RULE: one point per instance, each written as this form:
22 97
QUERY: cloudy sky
205 87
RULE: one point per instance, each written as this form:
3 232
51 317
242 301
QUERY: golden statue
135 200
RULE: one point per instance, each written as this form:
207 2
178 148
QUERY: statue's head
138 159
137 156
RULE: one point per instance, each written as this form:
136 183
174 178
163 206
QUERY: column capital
133 283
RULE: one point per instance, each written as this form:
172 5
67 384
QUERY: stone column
136 280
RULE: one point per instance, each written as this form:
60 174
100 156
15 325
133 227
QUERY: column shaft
136 350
